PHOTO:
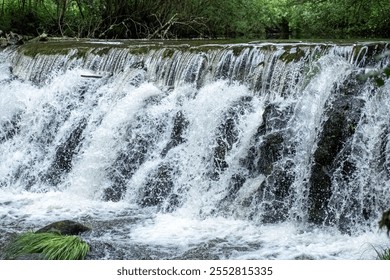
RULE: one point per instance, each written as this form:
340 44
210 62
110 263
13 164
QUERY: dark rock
268 141
126 164
180 124
272 195
267 156
227 135
385 221
342 117
9 128
65 227
158 188
275 117
30 257
235 184
271 151
201 251
304 257
65 152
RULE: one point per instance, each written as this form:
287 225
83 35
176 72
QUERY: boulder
341 119
158 188
65 227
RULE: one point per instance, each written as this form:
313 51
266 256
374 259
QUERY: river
198 150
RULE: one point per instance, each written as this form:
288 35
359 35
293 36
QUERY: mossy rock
65 227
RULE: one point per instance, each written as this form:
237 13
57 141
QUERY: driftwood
91 76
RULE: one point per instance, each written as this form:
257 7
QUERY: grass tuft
382 254
52 246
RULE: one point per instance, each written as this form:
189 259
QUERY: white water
128 121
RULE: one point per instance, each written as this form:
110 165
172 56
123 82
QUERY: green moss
50 246
139 50
292 54
238 50
168 53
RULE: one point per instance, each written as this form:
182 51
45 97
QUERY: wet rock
158 188
274 118
65 227
304 257
180 124
31 257
271 151
342 117
385 221
65 152
227 135
268 141
274 191
9 128
235 184
201 252
267 156
126 164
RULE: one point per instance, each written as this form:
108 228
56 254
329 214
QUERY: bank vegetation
168 19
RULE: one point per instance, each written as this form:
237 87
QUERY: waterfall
217 138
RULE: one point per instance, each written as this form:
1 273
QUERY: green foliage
161 19
51 246
340 18
383 254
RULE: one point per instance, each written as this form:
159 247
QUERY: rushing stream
242 151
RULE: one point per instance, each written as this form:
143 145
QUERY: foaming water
237 239
258 151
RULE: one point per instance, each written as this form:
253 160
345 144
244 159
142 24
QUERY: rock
268 142
271 151
266 156
203 251
180 124
65 153
227 135
65 227
342 117
127 162
30 257
158 187
385 221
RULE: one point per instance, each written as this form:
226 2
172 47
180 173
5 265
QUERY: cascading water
249 151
